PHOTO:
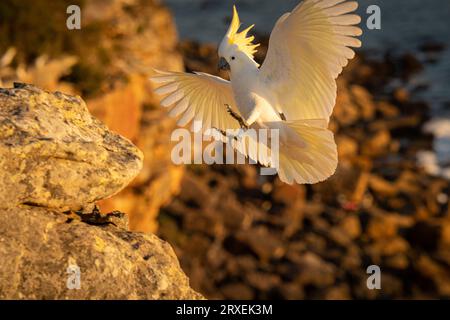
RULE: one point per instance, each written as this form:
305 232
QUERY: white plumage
308 48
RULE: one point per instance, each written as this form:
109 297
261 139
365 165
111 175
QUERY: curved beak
223 64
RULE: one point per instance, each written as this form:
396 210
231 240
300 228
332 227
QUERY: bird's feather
198 96
307 50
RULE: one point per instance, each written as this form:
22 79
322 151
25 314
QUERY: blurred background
239 235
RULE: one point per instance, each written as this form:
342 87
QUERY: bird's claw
224 134
237 117
237 137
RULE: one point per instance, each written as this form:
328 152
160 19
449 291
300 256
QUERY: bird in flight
293 91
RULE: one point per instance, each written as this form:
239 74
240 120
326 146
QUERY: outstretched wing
203 97
197 96
307 50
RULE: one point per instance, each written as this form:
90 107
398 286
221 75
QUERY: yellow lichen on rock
111 262
54 154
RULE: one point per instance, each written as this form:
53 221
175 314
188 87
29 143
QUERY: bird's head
236 48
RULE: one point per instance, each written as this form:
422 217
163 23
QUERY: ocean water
405 26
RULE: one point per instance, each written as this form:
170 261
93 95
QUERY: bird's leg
237 117
224 134
229 137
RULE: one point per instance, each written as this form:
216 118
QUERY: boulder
54 154
56 161
50 255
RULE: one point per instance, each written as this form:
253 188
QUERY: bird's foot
224 134
238 137
237 117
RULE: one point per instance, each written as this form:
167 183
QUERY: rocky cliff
108 62
56 161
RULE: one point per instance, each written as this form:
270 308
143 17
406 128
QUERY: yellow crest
240 39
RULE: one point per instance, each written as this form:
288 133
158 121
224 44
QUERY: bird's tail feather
307 151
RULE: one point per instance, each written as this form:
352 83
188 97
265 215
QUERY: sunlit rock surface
42 250
56 161
54 154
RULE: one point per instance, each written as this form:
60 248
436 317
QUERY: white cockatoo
293 91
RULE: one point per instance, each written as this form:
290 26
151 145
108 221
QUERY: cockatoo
293 91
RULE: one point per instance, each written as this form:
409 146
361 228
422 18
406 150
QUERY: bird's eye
232 58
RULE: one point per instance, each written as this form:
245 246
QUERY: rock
390 247
347 147
446 233
45 72
237 291
118 38
316 242
262 281
409 183
250 181
432 46
410 65
387 110
439 274
108 61
382 187
153 47
364 100
120 109
145 37
289 291
262 243
195 55
352 260
158 181
141 35
345 111
398 261
352 226
385 225
195 193
40 247
391 286
54 154
377 144
235 217
424 235
401 95
340 237
315 271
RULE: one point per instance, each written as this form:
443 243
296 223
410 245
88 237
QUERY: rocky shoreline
240 236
